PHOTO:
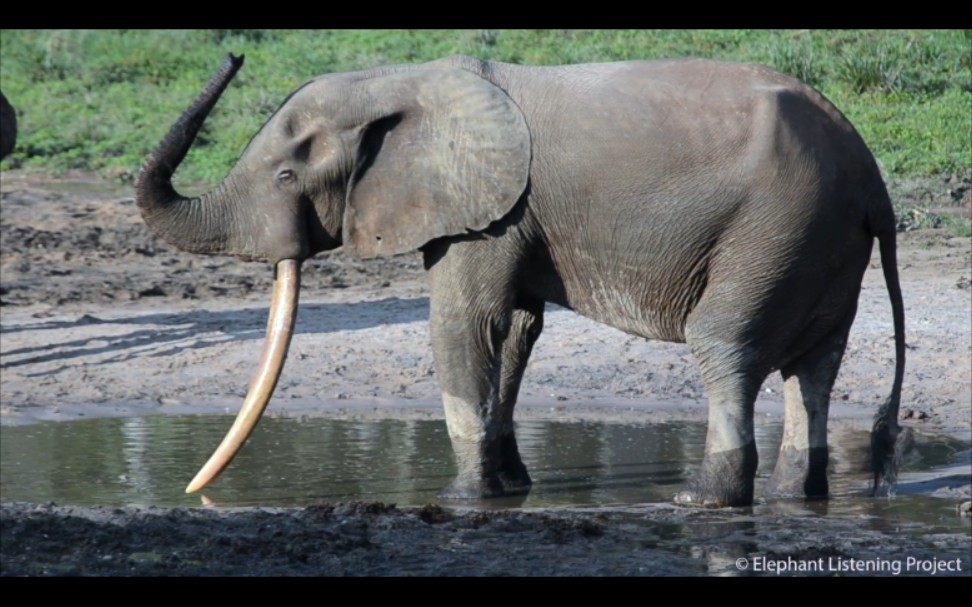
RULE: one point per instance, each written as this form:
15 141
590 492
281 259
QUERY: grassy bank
100 100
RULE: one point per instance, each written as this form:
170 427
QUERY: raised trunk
198 225
211 224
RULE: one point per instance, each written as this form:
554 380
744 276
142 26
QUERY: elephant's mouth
280 328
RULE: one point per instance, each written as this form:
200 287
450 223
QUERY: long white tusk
280 328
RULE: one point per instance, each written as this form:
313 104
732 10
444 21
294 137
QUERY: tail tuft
889 442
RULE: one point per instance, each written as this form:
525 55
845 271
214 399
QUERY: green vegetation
100 100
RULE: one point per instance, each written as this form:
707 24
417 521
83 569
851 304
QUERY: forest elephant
723 205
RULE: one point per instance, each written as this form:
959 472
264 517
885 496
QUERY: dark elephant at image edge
8 127
723 205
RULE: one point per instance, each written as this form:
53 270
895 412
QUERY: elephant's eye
285 176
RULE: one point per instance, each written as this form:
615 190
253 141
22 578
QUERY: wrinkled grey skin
8 127
722 205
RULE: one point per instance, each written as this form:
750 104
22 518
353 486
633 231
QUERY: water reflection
299 461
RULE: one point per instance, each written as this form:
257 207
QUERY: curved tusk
280 328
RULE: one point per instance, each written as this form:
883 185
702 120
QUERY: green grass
100 100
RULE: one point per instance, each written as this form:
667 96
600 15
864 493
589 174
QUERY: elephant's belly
622 282
630 307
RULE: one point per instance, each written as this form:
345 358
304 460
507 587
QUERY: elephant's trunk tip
234 61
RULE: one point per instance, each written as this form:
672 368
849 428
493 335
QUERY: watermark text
842 564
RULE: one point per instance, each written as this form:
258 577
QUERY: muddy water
294 462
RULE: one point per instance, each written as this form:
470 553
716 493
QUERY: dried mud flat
101 318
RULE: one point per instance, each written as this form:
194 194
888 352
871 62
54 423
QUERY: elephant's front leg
480 363
525 327
481 345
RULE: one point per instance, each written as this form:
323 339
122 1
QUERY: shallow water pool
290 461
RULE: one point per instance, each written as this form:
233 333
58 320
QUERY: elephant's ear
449 153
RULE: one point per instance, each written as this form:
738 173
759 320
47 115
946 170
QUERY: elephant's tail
887 438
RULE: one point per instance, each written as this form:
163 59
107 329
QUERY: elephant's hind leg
733 365
728 468
801 470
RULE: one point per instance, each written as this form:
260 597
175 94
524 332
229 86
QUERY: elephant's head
381 161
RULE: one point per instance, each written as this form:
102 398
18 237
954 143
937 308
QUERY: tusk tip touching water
280 328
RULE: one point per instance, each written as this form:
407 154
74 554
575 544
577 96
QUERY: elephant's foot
484 488
487 472
725 479
799 474
480 481
491 486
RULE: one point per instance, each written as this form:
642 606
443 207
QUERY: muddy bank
378 540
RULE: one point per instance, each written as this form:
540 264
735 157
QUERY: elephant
722 205
8 127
